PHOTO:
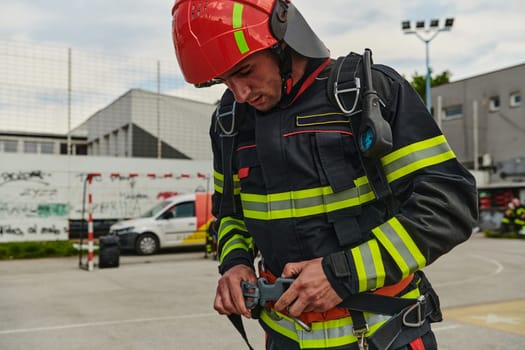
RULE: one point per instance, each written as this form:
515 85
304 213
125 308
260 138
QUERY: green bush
32 250
497 234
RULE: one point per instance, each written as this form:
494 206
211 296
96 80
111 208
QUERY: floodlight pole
433 32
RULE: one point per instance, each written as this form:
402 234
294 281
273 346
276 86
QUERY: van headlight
123 231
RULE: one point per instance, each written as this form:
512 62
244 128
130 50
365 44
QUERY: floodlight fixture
426 35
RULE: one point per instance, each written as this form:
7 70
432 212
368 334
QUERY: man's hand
229 298
310 291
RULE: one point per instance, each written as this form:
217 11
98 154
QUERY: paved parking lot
165 302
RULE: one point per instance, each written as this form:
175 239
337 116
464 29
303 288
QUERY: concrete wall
39 194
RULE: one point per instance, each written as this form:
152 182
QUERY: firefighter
509 215
513 217
211 241
519 221
292 182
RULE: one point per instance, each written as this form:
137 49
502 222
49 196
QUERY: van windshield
155 210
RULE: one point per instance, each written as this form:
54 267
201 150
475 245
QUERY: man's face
256 81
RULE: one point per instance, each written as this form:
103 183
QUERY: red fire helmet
210 37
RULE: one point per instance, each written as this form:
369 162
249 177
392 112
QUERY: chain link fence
55 90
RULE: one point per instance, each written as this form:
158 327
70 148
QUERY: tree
419 81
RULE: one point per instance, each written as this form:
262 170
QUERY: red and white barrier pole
90 176
91 235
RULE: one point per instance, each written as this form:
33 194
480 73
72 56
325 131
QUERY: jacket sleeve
434 197
234 243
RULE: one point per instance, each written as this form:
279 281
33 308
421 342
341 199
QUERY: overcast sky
487 35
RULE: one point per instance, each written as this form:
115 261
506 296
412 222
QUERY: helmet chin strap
284 56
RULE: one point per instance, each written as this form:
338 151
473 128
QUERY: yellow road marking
506 316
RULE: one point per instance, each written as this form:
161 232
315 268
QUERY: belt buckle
362 343
417 307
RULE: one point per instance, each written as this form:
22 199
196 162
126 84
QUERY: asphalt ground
165 302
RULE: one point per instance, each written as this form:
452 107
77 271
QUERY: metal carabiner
360 334
416 308
219 116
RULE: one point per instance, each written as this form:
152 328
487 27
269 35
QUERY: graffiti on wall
33 206
37 205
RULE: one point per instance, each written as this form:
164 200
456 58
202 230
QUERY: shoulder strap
350 89
225 126
344 85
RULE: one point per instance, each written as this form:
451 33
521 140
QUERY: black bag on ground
109 251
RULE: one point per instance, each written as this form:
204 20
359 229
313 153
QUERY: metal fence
50 89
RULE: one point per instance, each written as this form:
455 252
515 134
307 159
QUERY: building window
494 104
515 99
30 147
453 112
47 147
116 141
81 150
63 148
105 146
9 146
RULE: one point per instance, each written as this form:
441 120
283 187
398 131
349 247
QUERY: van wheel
147 244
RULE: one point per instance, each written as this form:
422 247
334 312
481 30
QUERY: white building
150 125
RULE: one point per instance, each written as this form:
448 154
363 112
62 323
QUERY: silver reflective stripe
396 240
304 202
322 334
369 265
418 155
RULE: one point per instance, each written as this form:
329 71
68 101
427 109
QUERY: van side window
184 210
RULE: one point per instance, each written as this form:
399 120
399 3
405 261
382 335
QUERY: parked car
177 221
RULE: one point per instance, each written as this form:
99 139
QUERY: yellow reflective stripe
322 334
396 240
218 183
366 194
228 224
416 156
304 202
322 200
237 23
236 242
413 294
369 266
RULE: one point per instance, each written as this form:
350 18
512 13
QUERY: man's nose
240 90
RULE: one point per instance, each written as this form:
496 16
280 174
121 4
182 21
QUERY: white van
179 220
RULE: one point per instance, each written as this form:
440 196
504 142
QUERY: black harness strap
413 315
236 320
345 91
225 121
344 85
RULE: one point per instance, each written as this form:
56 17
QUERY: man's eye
244 72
